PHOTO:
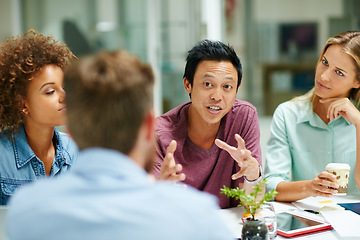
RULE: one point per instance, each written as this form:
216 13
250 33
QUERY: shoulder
241 111
293 108
173 124
242 108
240 104
173 116
6 148
4 139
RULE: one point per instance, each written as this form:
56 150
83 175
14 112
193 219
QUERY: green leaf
248 201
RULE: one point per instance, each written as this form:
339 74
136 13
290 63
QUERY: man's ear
187 86
150 125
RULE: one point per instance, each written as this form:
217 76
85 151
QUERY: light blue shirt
19 165
301 145
107 196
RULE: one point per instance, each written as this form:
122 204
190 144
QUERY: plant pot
254 230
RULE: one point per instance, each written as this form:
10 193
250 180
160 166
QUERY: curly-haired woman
31 105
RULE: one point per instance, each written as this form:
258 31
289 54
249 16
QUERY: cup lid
332 166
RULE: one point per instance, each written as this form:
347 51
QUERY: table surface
232 217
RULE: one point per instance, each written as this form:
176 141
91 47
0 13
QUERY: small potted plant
251 202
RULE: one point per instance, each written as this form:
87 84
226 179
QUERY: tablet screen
288 222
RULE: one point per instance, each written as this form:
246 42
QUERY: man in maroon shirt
213 140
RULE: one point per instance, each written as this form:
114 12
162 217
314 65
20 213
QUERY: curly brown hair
21 58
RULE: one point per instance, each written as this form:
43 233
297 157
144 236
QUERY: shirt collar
306 114
24 153
101 161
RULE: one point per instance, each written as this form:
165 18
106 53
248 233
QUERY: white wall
280 11
10 23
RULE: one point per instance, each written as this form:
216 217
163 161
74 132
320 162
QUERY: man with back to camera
108 194
191 136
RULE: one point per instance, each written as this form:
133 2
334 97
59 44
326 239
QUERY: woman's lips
322 86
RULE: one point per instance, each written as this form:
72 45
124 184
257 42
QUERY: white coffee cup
341 170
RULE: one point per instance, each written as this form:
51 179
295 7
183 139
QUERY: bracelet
258 179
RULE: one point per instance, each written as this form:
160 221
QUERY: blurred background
278 41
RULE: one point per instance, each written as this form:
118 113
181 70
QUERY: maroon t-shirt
209 170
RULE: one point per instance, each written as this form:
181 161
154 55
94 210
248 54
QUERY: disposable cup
341 170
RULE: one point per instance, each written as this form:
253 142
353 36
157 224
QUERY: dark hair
21 58
107 98
211 50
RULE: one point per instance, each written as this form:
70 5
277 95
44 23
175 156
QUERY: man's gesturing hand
249 166
169 169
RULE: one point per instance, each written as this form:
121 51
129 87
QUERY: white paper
317 204
280 207
345 222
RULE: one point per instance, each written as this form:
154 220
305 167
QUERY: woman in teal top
31 105
320 127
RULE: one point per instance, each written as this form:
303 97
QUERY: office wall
264 33
10 23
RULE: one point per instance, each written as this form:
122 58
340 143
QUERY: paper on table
280 207
317 204
346 223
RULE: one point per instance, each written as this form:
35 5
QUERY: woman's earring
24 111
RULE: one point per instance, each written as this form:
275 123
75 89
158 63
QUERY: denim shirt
19 165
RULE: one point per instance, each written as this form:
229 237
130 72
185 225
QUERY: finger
172 147
223 145
322 194
238 175
330 113
326 184
169 157
326 175
240 141
176 177
318 190
324 191
169 165
171 173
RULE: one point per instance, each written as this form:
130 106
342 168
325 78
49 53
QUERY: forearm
292 191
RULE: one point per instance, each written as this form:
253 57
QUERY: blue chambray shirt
301 145
19 165
108 196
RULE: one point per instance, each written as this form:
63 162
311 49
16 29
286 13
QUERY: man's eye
207 84
228 87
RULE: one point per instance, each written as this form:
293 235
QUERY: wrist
259 178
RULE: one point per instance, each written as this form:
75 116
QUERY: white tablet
291 225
